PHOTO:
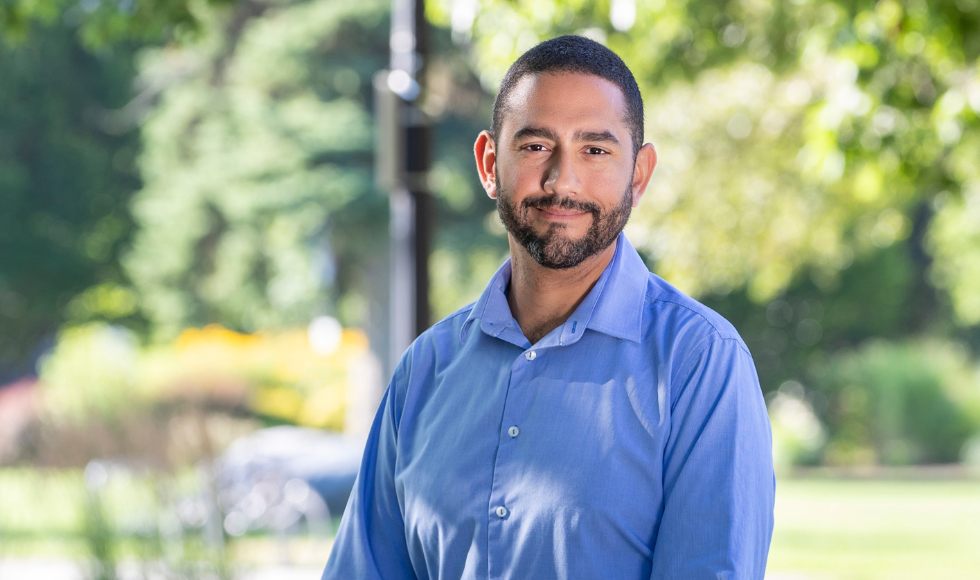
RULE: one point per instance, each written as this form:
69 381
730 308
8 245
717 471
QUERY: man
583 419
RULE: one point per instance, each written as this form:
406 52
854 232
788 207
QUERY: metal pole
408 157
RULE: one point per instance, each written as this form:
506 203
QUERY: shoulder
682 325
439 341
436 346
670 305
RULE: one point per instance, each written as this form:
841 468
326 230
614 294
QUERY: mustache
552 201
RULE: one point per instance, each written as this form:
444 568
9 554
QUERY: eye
534 147
596 151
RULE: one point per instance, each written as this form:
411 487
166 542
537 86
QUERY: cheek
529 172
608 188
521 182
608 171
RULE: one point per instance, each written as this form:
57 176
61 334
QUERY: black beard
555 249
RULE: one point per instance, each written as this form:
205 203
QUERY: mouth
559 214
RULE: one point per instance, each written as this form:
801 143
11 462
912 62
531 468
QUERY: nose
560 178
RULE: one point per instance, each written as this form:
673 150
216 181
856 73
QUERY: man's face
564 167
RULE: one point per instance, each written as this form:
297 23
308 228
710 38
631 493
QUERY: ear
486 162
646 162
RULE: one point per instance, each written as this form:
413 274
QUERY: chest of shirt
566 436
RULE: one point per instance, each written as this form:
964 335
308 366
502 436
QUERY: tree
100 24
67 170
260 144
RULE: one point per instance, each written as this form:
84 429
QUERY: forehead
564 101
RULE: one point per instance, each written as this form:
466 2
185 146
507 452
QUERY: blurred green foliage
279 376
57 491
67 170
92 371
101 372
259 208
101 23
798 435
884 296
262 137
899 403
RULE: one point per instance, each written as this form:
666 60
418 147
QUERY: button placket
504 492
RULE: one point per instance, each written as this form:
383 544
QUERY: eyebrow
541 132
545 133
596 137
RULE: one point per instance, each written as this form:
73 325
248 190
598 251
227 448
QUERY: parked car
278 477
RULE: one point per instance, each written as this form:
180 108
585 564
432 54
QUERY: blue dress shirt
631 442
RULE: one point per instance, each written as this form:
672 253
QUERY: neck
541 299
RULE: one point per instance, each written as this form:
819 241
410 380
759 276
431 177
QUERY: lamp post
403 148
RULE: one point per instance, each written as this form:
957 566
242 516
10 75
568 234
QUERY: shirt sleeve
370 544
719 486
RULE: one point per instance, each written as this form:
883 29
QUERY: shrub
91 371
898 403
797 435
104 395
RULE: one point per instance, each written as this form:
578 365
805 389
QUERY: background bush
898 403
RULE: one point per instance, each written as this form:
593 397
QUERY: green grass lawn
825 528
867 529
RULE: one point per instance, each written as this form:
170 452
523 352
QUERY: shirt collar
619 310
493 311
614 306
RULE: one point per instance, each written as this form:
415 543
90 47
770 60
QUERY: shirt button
514 431
501 511
530 355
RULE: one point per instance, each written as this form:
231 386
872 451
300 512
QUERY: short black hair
574 54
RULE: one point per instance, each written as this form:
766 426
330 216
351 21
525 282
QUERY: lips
561 208
558 213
